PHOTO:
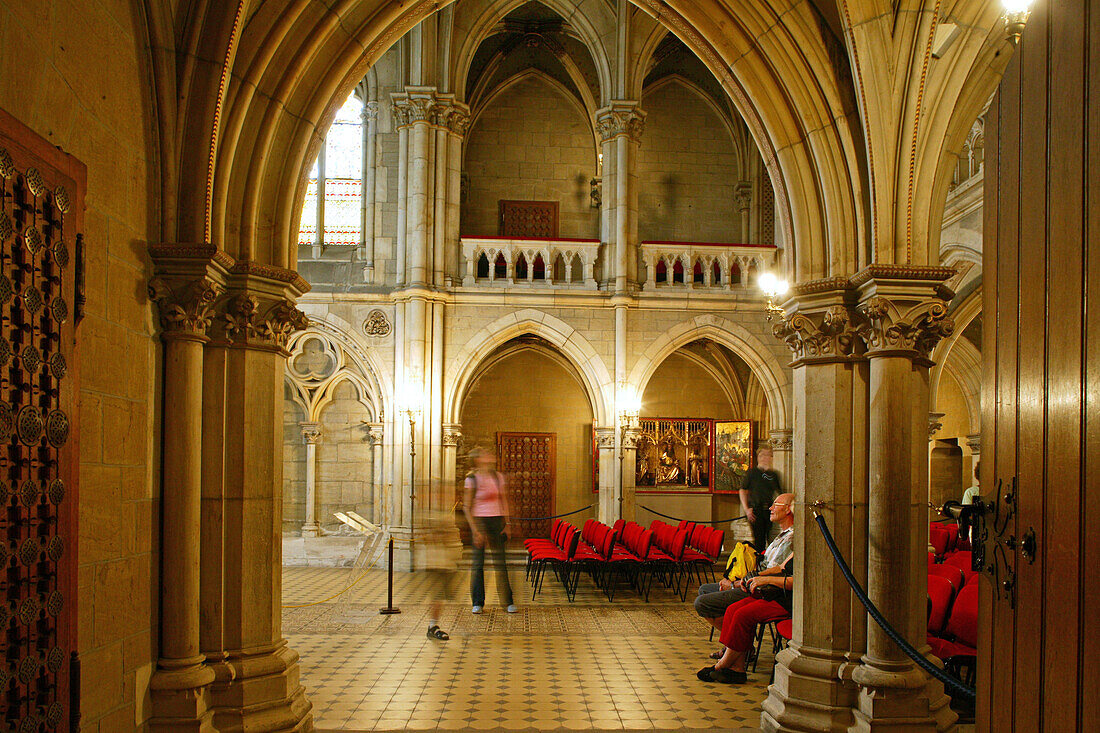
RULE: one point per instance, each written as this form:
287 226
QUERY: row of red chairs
945 539
626 552
953 615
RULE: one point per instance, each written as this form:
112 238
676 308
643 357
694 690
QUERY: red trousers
739 623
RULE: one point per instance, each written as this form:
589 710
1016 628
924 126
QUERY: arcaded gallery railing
571 263
703 265
544 263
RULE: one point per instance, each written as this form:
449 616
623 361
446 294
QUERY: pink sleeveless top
487 495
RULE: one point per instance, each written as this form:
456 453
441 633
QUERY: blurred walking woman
485 502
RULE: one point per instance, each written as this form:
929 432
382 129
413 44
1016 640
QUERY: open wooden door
41 217
1038 638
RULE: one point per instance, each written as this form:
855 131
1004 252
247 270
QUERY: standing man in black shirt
761 485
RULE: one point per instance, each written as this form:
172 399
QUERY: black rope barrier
556 516
703 521
948 681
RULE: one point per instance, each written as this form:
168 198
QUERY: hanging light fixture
1016 15
772 288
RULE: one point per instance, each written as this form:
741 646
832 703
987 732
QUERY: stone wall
343 459
682 388
514 395
687 170
77 75
294 465
531 143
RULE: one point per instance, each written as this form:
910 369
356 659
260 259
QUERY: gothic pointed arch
761 360
597 381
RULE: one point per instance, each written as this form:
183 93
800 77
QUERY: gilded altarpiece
674 454
41 217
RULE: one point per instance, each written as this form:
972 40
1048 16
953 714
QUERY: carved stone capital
974 443
827 334
249 319
621 118
605 438
891 328
375 433
370 112
452 435
935 423
781 440
311 432
186 305
630 437
458 120
742 195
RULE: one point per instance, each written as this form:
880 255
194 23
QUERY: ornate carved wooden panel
525 219
41 213
529 460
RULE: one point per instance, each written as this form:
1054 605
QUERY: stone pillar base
900 697
264 693
311 531
809 693
181 698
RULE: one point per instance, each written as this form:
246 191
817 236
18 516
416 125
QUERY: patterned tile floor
555 665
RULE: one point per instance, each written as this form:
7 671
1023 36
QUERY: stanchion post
390 608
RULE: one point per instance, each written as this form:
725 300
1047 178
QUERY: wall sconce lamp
1016 15
773 288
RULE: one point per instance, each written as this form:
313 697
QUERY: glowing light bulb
1016 6
768 283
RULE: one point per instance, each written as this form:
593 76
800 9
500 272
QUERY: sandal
434 632
717 655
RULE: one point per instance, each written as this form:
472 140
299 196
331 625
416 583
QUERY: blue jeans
492 528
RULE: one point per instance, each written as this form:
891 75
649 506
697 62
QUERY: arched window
338 170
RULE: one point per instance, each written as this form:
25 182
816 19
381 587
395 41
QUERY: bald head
782 510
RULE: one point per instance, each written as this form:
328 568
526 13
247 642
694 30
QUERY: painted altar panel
733 449
675 453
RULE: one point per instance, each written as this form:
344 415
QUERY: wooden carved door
41 213
529 461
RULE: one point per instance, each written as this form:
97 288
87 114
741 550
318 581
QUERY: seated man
715 598
740 620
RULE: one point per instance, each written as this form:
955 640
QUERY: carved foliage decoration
185 307
918 329
376 324
829 334
242 322
614 121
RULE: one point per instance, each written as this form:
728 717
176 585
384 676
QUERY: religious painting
673 453
733 453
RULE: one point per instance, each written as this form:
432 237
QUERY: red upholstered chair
939 537
619 524
961 560
951 573
960 635
940 594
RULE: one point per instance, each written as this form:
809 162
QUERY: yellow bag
742 561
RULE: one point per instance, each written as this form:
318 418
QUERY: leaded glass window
339 169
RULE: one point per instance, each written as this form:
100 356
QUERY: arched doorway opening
527 388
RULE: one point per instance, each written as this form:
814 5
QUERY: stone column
620 126
629 452
905 314
260 689
608 463
812 689
370 164
311 435
743 199
457 124
375 435
185 290
781 442
452 441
